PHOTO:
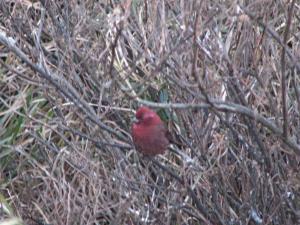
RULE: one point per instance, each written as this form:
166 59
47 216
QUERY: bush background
223 75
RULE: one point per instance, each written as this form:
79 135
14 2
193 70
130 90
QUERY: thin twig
274 34
60 84
283 75
229 107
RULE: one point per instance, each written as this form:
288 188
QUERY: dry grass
224 77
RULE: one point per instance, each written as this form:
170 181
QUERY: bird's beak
134 120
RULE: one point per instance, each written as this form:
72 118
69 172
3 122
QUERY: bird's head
146 116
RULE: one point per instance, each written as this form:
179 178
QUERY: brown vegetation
223 76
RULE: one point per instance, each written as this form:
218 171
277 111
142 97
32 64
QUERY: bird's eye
139 116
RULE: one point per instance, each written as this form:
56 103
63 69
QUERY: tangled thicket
223 76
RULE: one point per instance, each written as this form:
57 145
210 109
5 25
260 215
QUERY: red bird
149 133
